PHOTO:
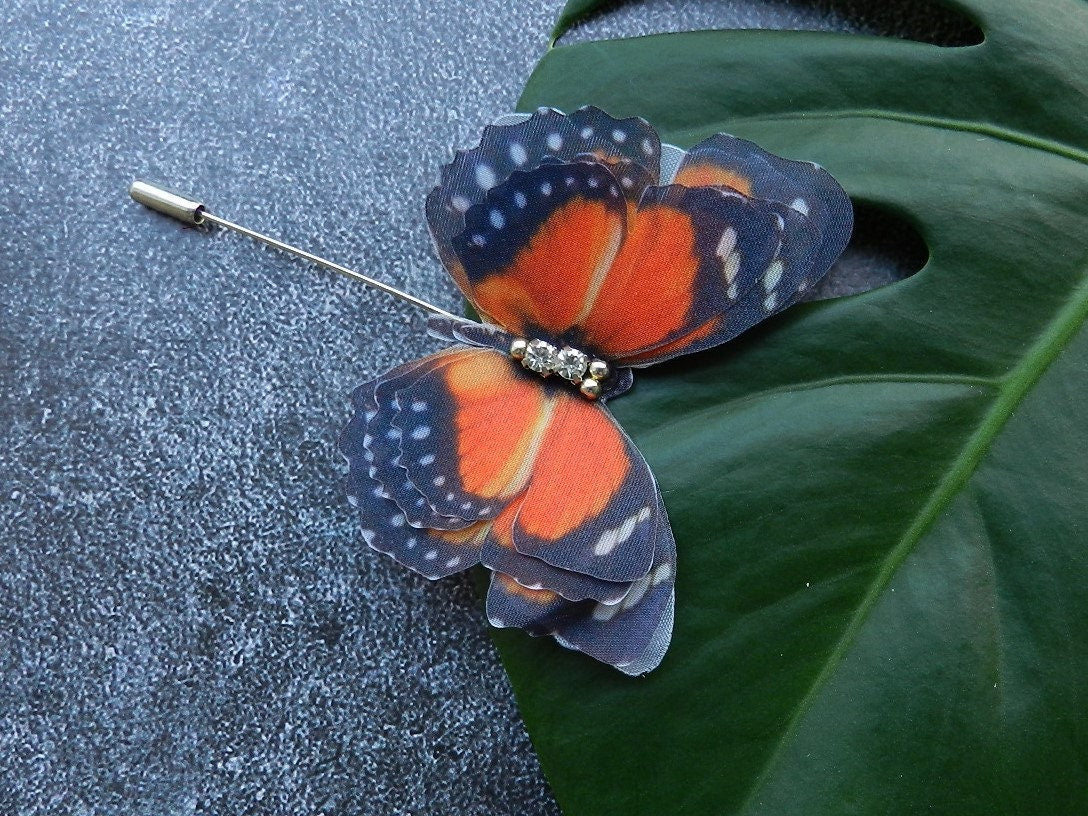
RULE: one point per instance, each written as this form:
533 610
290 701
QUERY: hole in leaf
884 248
921 20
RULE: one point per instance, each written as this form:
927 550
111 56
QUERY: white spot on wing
431 555
419 406
453 562
770 302
520 200
554 141
421 432
439 481
426 459
619 136
517 154
485 176
800 205
497 219
460 203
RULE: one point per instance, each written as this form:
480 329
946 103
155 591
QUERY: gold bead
590 388
518 348
598 370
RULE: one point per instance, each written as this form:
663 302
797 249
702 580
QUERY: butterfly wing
631 633
524 475
803 186
569 245
563 251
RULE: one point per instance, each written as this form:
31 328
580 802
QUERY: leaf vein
1014 387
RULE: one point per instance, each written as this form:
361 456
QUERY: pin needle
193 212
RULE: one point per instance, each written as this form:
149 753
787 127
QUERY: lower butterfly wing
390 511
500 555
804 187
631 634
488 433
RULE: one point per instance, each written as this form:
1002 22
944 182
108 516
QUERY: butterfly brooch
587 251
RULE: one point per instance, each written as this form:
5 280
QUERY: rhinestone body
571 364
540 357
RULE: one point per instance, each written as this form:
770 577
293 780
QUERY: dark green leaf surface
881 502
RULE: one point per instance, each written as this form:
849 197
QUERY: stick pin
194 212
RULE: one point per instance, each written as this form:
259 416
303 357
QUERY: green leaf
880 502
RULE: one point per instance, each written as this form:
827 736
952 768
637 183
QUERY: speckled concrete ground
189 623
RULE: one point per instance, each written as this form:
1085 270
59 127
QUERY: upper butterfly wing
803 186
630 146
697 267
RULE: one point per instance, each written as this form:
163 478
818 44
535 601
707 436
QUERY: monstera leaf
880 502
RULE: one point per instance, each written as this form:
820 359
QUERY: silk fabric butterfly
585 258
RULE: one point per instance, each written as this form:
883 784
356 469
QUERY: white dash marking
730 267
606 543
770 302
637 593
605 612
727 244
773 275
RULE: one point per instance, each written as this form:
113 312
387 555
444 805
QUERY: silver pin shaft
193 212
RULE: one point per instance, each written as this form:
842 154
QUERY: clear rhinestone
539 357
571 364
